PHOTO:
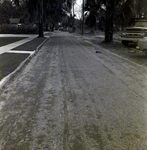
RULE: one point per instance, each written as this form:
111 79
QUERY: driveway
71 98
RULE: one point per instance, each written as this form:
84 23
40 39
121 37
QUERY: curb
12 75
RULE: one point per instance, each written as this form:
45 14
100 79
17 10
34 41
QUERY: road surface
71 98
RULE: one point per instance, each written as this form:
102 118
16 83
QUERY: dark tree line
47 12
42 12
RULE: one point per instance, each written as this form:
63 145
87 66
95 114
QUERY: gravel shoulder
116 47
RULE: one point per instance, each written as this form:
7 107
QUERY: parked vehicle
142 45
135 33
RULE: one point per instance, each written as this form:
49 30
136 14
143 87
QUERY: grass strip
31 45
9 40
9 62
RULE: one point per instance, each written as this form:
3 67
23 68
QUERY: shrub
18 29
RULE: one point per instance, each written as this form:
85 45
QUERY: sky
78 8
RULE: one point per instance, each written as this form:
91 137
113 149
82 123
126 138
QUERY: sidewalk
8 47
28 38
15 55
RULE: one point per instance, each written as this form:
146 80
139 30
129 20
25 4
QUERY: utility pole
83 18
73 15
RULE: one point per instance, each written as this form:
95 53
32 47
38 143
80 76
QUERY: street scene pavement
74 95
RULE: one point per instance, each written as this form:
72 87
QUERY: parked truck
136 32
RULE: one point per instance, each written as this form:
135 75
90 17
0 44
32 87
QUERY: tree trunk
46 27
41 30
109 21
41 20
52 28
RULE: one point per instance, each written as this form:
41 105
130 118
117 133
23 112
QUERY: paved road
71 98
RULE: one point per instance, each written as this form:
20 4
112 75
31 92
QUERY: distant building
14 21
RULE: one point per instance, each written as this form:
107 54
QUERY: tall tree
122 10
5 11
109 20
92 7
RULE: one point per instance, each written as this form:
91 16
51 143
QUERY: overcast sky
78 8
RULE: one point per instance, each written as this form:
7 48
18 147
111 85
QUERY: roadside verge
12 62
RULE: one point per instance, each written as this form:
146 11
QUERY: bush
18 29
